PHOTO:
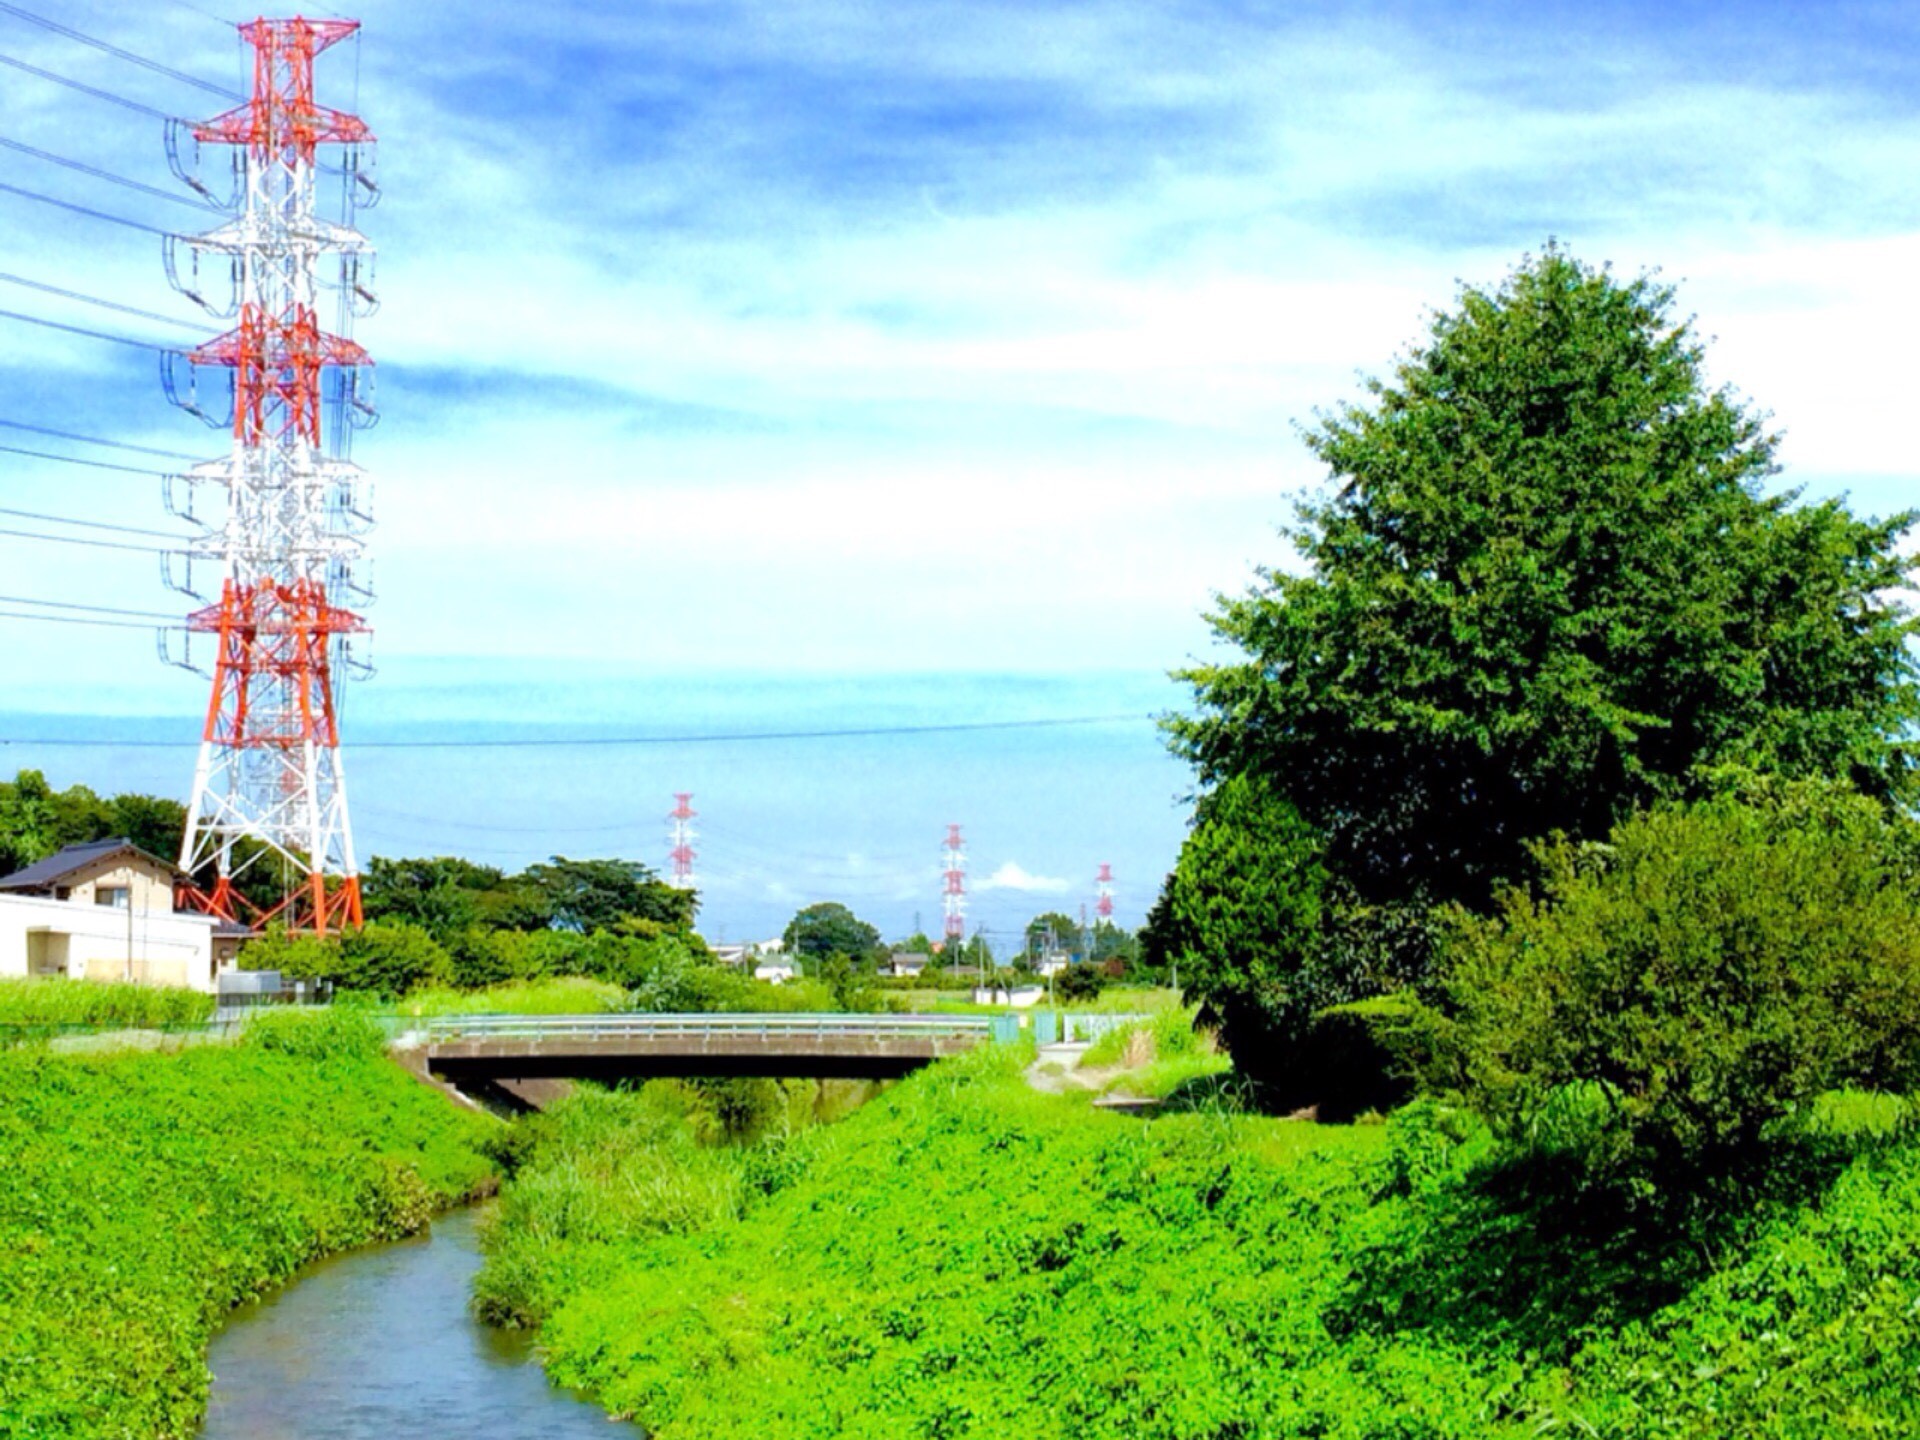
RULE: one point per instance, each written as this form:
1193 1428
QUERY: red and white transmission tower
955 851
1103 905
269 789
682 853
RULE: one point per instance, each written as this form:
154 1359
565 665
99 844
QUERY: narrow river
379 1343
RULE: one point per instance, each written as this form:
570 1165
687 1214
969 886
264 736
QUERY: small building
729 954
775 970
104 911
907 962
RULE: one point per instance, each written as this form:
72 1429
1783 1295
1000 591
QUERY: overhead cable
108 175
91 440
90 334
554 742
117 52
92 525
85 210
77 460
83 540
97 93
91 609
42 285
78 620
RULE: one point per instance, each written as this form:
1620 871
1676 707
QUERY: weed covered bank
143 1195
965 1257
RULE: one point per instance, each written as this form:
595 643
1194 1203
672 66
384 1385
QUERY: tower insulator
955 875
269 789
682 852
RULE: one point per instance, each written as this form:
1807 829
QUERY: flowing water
379 1344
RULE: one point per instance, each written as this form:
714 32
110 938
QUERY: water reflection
380 1344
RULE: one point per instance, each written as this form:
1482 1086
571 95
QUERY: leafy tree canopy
36 820
1052 931
830 929
1545 589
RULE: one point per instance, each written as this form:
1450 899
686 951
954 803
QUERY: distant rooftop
47 873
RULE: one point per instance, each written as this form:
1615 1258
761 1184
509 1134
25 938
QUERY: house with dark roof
105 911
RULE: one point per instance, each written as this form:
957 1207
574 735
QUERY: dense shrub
1706 973
967 1257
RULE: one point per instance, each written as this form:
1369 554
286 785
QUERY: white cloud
1010 876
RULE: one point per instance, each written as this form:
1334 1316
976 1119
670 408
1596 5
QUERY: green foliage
450 896
143 1195
34 1007
1545 590
830 929
569 995
1078 984
1709 971
36 820
965 1256
333 1033
1050 932
385 957
602 1170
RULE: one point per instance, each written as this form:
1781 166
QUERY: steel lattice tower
1103 905
269 789
682 854
955 874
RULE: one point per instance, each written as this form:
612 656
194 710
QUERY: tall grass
571 995
36 1007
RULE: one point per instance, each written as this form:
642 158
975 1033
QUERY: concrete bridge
478 1053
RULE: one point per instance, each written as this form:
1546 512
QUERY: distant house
104 911
729 954
1052 963
907 962
775 970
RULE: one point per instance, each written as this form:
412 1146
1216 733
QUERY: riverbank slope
143 1195
967 1257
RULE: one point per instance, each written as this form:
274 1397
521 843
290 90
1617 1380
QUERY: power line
738 737
99 174
92 609
117 52
77 460
75 620
97 94
103 304
83 540
86 210
90 334
92 525
91 440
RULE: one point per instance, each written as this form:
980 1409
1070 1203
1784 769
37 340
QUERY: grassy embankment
968 1257
143 1195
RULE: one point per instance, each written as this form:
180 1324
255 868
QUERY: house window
118 896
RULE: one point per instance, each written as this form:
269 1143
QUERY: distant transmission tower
1103 905
955 851
269 790
682 854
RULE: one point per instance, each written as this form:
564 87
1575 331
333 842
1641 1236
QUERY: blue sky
860 340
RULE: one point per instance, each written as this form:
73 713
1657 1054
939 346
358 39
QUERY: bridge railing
617 1026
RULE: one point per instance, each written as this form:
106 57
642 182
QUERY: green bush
335 1032
1706 974
143 1195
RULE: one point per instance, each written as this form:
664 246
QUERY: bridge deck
490 1048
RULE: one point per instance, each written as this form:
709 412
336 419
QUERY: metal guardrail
621 1025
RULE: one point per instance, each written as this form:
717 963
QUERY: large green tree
1546 588
830 929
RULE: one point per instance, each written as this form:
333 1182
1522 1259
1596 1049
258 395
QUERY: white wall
93 942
